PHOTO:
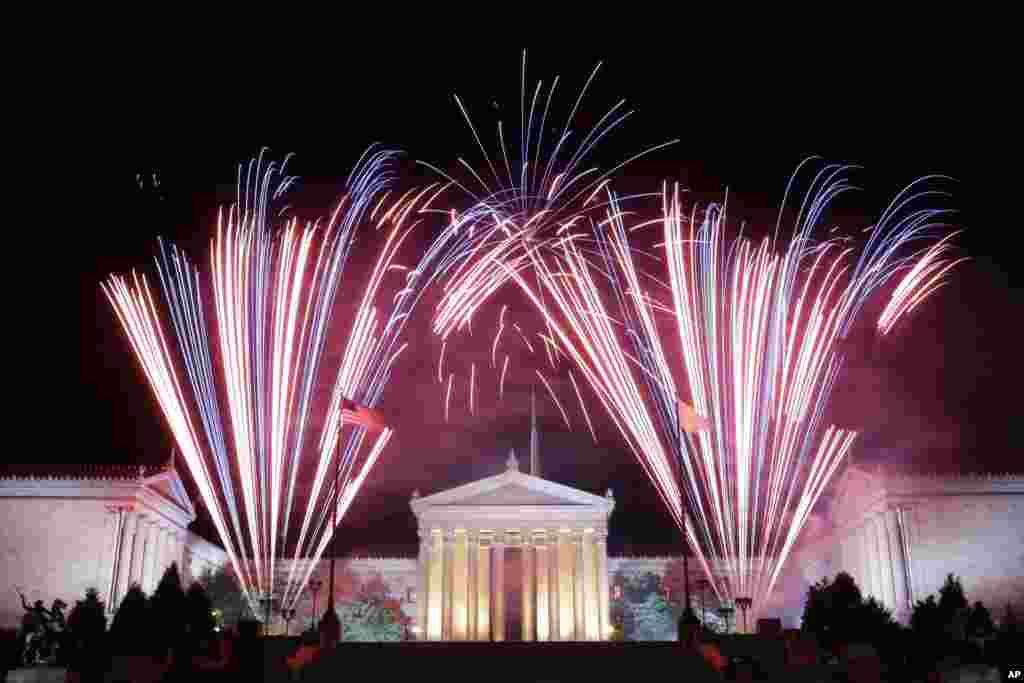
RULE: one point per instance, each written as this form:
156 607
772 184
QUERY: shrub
979 622
168 610
836 612
199 619
87 629
226 595
131 630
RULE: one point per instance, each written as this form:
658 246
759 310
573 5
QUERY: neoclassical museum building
515 556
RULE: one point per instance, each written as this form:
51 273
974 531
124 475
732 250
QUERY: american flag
690 420
355 414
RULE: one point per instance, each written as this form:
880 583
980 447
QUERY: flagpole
688 618
330 626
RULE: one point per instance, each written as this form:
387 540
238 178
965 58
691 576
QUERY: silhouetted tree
926 619
168 611
953 607
979 622
131 630
951 595
199 620
87 630
226 595
829 612
837 613
1009 624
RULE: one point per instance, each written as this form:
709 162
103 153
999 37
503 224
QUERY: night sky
938 395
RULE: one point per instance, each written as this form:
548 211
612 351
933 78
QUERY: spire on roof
534 436
512 464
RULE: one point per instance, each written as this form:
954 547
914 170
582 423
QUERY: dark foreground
526 662
729 659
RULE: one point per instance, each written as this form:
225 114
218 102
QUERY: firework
759 325
923 277
273 294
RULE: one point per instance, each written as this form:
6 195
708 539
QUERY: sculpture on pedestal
43 630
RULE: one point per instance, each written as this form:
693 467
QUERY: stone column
896 566
174 548
422 577
864 567
844 554
435 586
886 554
126 545
449 576
566 622
908 539
167 548
157 571
604 604
186 560
578 581
483 584
590 606
460 576
529 630
472 560
138 563
179 550
540 546
110 553
881 586
554 607
498 590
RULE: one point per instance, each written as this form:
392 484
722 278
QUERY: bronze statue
42 630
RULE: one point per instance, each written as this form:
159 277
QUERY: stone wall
978 538
49 548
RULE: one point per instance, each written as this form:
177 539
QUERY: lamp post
267 599
744 605
687 620
314 588
726 612
287 615
703 586
330 625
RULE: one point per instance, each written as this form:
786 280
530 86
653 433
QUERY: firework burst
272 294
759 326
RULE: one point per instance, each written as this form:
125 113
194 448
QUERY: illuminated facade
899 534
513 557
68 528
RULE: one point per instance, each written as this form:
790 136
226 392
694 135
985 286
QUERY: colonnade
878 552
461 584
138 549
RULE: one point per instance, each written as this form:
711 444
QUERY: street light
314 588
725 611
703 586
744 605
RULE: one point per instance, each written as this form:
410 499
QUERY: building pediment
857 491
160 489
169 485
512 488
510 500
516 494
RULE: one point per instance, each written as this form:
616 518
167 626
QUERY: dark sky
939 394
